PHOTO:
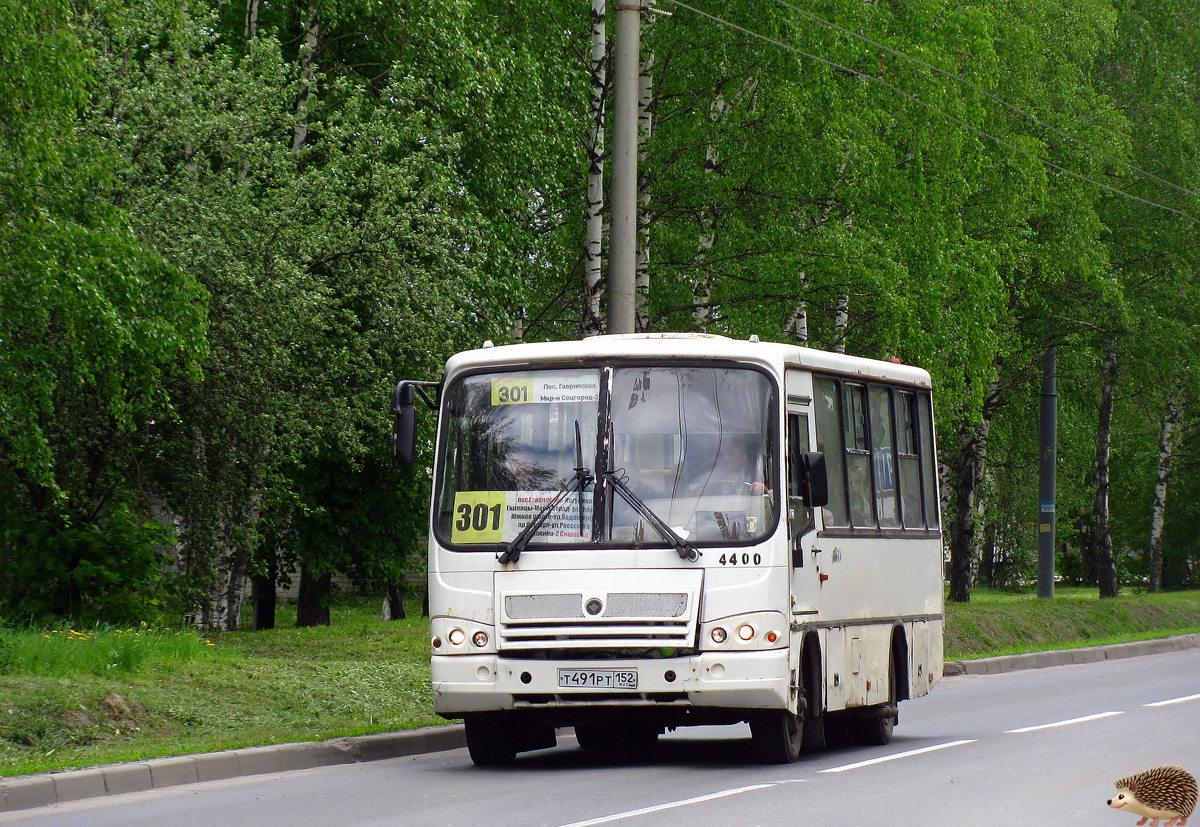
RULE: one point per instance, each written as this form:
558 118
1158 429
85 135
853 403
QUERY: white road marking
1067 722
1174 700
671 805
893 757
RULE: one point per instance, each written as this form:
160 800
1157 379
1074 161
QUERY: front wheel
777 738
489 740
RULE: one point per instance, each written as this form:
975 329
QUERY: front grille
543 606
597 611
633 604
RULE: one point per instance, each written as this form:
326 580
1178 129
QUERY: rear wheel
490 740
777 737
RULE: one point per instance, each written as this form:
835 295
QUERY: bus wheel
489 740
777 738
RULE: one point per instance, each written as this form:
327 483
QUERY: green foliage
221 248
106 569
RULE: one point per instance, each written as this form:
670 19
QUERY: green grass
86 697
74 698
1003 623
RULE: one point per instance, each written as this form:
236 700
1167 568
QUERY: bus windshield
694 444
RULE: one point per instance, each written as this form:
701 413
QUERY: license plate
598 678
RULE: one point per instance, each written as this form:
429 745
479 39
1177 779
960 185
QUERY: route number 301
511 391
481 517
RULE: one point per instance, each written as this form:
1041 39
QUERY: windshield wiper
686 550
583 477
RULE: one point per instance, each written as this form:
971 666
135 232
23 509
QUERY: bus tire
777 737
812 736
489 740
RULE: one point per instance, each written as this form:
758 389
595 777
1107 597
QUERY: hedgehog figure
1167 792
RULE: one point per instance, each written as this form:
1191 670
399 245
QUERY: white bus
633 533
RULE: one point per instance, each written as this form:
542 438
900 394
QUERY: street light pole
622 238
1047 453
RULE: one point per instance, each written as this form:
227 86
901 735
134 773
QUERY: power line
982 91
916 99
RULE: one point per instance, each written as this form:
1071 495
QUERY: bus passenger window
928 474
883 457
858 455
909 459
829 442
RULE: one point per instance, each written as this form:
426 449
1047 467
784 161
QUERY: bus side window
858 455
909 459
883 457
829 442
928 471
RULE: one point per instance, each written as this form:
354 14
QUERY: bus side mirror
404 428
814 482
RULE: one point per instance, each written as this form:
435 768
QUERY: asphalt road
1041 746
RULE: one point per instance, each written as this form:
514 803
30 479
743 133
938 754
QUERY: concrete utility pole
1047 452
622 238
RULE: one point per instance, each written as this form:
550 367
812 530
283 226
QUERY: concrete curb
74 785
1065 657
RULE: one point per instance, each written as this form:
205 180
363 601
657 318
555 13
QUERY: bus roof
685 346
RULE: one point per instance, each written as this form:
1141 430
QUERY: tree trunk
798 321
264 597
311 603
593 268
702 289
393 604
1166 449
968 476
1106 564
307 60
841 321
251 19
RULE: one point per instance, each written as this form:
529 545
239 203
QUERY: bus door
801 520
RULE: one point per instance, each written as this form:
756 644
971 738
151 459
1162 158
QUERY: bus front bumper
735 680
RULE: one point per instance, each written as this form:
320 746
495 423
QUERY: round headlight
457 637
745 631
718 635
480 638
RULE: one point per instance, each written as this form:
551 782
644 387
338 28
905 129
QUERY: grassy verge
74 698
1004 623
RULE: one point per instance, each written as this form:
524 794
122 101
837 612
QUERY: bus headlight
754 631
461 636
